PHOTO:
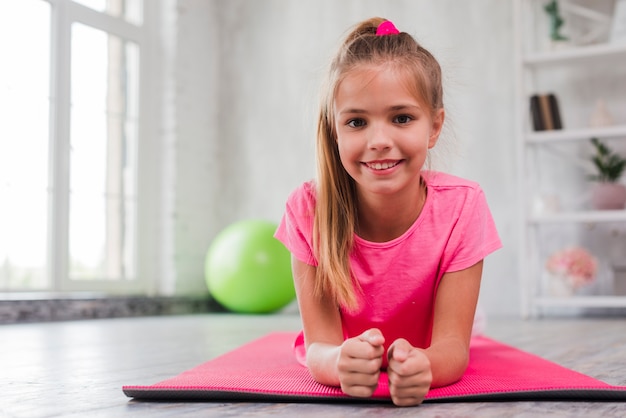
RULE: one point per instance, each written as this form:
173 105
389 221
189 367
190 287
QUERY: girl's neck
384 218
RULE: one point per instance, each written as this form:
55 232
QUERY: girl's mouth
382 165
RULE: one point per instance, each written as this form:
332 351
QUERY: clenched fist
409 373
359 363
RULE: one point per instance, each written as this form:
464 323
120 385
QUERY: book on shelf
544 112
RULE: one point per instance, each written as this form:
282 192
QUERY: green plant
556 21
609 164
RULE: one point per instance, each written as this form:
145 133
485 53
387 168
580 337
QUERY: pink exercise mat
266 370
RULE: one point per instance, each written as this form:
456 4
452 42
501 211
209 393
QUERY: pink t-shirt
399 278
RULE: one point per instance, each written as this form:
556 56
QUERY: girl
386 257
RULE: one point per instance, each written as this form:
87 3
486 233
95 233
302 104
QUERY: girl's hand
409 373
359 363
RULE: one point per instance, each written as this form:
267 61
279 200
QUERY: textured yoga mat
266 370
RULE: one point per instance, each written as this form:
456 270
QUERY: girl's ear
438 119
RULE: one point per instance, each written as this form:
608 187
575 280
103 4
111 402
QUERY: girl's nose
378 138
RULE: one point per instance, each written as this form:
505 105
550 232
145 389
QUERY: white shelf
597 216
583 302
566 135
574 53
531 67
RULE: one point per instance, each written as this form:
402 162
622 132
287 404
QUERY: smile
383 165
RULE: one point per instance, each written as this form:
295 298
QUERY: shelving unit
530 62
617 131
580 217
582 53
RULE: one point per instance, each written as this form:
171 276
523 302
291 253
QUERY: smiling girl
387 257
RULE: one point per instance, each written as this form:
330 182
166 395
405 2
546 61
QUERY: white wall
247 75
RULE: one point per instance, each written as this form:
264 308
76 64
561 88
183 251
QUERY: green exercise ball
247 270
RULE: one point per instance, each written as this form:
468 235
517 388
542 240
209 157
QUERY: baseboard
42 307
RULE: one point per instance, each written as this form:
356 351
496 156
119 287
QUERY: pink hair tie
386 28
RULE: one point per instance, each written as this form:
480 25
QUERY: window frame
63 14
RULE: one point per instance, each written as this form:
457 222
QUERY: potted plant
570 269
556 21
608 193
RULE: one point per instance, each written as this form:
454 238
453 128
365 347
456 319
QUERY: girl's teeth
382 166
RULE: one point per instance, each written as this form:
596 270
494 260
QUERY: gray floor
68 369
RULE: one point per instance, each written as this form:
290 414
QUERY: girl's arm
321 325
413 371
353 364
455 305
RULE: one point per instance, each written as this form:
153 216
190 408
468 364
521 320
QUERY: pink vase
608 196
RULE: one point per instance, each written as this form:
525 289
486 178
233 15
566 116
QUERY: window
69 144
24 93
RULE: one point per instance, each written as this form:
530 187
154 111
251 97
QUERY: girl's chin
384 187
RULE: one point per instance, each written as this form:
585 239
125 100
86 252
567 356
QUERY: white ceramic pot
561 287
608 196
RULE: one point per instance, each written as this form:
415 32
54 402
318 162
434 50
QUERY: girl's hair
336 211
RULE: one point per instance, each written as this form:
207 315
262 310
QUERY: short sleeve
295 230
474 236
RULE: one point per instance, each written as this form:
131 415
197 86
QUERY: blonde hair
336 210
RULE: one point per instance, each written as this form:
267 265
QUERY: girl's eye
356 123
402 119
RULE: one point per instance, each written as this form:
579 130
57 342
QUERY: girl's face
383 131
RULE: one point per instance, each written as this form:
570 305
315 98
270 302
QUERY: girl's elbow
323 377
459 366
451 371
320 367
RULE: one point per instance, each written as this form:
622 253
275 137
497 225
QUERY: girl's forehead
361 77
365 73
